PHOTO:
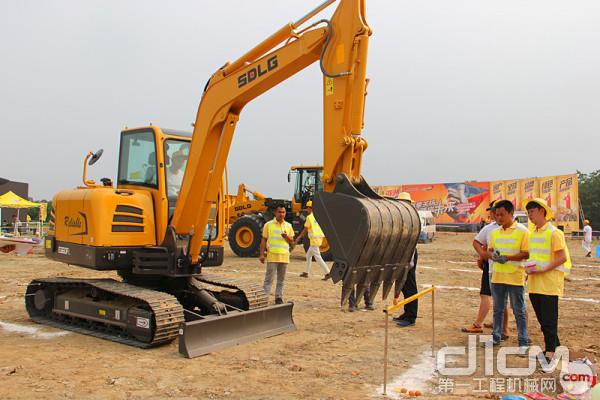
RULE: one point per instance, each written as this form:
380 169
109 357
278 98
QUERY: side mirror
95 157
289 176
90 159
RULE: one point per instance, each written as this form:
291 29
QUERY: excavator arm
372 238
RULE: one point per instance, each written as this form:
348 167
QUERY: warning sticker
328 86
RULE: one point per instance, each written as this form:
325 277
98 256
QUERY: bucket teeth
346 292
360 291
372 238
349 286
376 282
400 280
387 285
363 286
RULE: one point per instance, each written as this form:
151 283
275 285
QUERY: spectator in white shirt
587 238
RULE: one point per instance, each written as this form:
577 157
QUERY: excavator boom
372 238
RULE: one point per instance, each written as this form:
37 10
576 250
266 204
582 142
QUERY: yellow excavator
247 215
154 226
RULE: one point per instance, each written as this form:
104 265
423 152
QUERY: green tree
34 213
589 196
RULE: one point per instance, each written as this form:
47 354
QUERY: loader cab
154 160
308 182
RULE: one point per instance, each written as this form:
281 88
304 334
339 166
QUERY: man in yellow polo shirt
507 248
548 263
277 236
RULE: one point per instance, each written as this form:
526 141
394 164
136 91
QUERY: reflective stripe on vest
508 244
315 230
540 249
509 240
275 242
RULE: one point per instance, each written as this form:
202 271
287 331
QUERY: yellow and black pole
393 308
385 352
433 321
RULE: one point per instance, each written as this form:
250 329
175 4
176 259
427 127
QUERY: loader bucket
372 238
214 333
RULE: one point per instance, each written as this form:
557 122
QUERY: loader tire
245 235
324 248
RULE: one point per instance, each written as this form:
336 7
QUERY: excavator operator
175 173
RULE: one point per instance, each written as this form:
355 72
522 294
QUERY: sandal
489 326
474 328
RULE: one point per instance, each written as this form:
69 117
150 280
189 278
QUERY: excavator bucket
213 333
372 238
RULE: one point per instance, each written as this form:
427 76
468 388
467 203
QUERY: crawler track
167 313
164 311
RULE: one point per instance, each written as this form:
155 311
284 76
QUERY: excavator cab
153 160
103 227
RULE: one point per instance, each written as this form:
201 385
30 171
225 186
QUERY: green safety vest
315 230
276 244
540 248
508 244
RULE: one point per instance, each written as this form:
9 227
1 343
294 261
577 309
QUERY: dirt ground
333 354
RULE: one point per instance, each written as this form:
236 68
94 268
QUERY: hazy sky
459 89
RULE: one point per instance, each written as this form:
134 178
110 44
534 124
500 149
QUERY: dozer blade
213 333
372 238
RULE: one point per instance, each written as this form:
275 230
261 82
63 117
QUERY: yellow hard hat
542 203
309 203
404 196
587 221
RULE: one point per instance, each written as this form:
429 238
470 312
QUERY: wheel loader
158 225
247 216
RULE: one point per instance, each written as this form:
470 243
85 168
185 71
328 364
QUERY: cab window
137 159
176 156
308 182
212 226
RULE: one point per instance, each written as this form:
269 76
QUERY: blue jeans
500 293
